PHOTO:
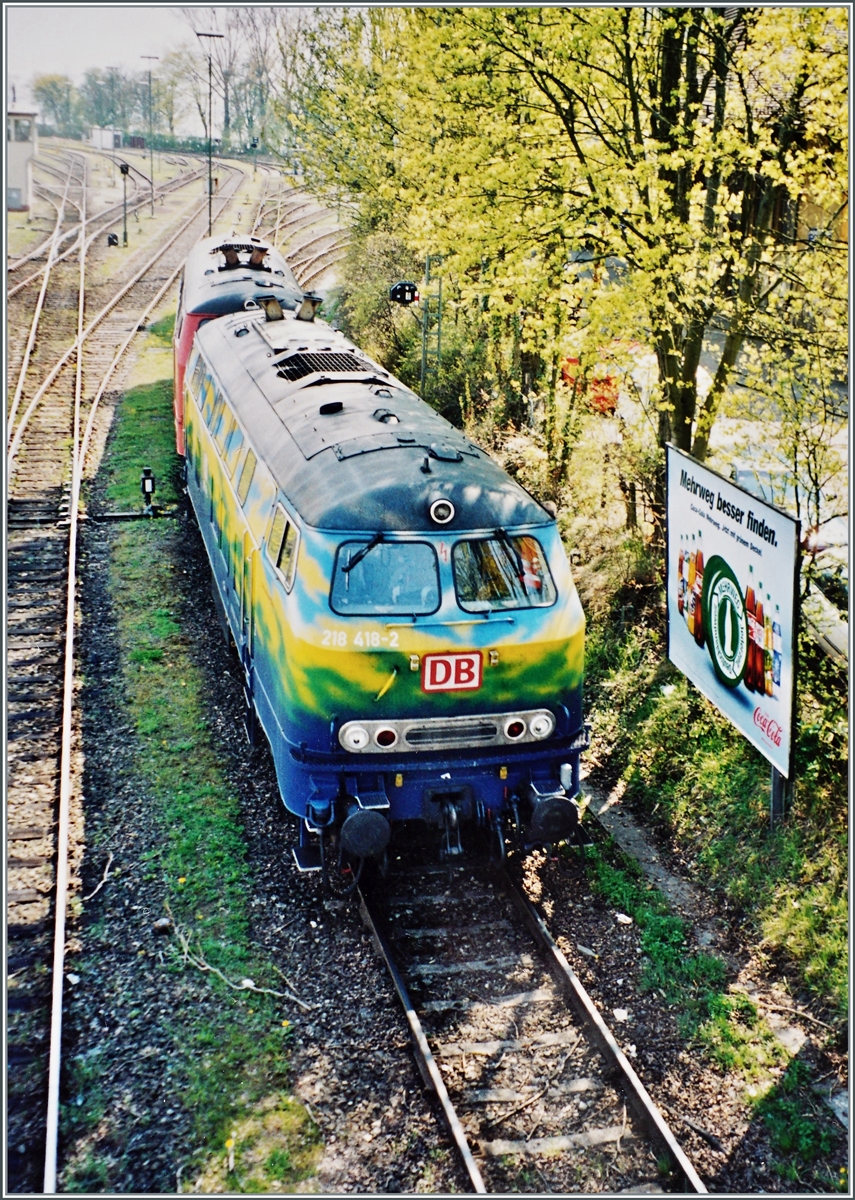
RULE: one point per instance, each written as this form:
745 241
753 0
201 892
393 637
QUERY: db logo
451 672
771 728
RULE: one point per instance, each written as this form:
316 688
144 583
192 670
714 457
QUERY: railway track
79 355
98 224
535 1091
286 217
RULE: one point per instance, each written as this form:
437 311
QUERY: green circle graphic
725 622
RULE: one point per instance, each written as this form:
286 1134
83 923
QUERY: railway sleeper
522 1053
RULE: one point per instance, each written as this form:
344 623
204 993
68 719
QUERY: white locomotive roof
349 445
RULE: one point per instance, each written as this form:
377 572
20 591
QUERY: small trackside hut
410 635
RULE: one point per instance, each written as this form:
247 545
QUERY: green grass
233 1069
686 766
694 984
723 1022
797 1127
144 434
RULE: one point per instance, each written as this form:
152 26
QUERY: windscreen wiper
512 551
360 554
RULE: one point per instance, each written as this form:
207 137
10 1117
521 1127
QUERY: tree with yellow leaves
607 173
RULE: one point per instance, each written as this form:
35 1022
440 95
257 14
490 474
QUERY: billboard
732 588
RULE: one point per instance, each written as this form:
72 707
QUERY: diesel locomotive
410 636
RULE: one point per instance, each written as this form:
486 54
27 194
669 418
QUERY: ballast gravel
350 1061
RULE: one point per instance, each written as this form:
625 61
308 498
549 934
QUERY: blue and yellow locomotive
410 634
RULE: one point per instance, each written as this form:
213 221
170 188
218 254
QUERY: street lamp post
151 58
210 170
112 125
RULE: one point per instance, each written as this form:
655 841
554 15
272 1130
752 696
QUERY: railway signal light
404 293
124 168
112 239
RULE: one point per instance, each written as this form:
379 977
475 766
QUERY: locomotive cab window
282 546
501 571
378 577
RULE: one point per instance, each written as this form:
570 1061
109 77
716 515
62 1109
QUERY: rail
37 512
494 958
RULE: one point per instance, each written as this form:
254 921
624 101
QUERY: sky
67 39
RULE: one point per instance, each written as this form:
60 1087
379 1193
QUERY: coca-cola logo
771 729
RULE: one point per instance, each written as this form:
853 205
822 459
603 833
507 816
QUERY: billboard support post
780 796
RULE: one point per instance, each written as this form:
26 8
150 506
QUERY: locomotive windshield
390 577
501 571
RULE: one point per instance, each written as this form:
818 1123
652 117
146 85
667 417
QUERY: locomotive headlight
514 729
541 725
442 511
385 737
354 737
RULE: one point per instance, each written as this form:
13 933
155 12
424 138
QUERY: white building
105 138
22 144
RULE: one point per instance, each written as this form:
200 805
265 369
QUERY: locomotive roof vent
445 452
298 365
331 407
384 415
310 305
272 308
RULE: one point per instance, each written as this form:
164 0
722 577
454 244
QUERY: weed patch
725 1023
273 1150
798 1129
683 762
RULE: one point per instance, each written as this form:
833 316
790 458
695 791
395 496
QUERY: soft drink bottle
690 594
748 678
777 650
768 649
699 587
681 597
759 634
